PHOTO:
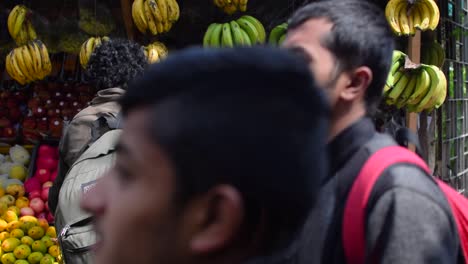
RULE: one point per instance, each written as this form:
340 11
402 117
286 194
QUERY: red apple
37 205
53 175
62 104
34 194
47 184
12 103
58 96
34 103
47 163
4 122
46 206
56 126
50 217
41 215
26 211
39 111
43 95
49 104
42 174
9 132
46 151
4 95
45 194
15 114
43 125
29 123
4 112
53 112
20 96
32 184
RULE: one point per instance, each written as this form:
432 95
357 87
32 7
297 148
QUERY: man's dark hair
360 36
250 118
116 62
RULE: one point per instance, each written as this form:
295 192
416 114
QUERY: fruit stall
45 47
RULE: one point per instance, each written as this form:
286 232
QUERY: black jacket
408 217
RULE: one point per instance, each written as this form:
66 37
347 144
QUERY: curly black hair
115 62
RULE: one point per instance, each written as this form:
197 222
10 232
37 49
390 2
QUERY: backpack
355 207
75 231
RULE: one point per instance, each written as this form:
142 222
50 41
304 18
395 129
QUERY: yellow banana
425 15
243 5
163 9
403 18
16 69
18 16
416 15
152 54
139 16
46 65
155 10
18 55
12 19
167 26
160 27
161 48
150 19
435 13
36 54
31 31
28 60
391 15
31 52
230 9
173 10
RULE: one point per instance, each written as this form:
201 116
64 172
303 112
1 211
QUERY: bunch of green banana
419 89
155 16
245 31
231 6
19 25
29 62
88 47
278 34
433 54
155 52
405 18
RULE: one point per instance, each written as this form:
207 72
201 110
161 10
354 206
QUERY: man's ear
359 81
220 215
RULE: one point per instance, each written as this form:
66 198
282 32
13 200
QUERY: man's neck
339 123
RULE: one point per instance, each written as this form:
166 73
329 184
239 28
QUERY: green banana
226 37
442 90
403 98
250 29
208 34
246 38
215 37
429 97
398 88
422 87
259 26
236 33
276 33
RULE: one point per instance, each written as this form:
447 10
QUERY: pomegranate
45 194
34 194
32 184
37 205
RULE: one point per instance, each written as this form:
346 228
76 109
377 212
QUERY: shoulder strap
355 208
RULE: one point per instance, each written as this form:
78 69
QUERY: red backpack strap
353 228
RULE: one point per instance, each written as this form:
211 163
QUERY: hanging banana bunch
19 25
405 18
245 31
88 47
231 6
419 89
155 52
433 54
278 34
155 16
29 62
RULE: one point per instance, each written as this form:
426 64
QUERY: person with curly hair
111 66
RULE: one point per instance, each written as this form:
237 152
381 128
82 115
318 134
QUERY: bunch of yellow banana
419 89
155 16
278 34
245 31
88 47
155 52
231 6
19 25
29 62
433 54
405 18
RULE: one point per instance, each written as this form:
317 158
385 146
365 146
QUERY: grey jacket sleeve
411 222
